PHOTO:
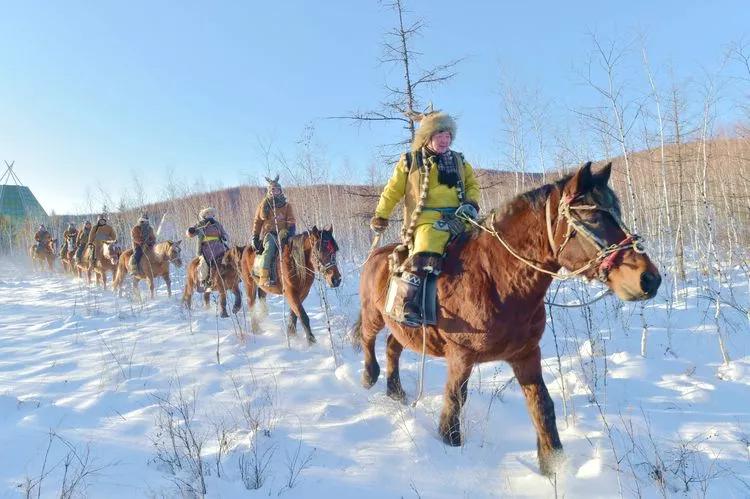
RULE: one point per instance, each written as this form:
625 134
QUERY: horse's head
589 234
174 253
112 250
324 249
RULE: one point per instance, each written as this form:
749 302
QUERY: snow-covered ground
93 390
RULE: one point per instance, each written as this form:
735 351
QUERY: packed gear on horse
42 238
212 243
274 224
143 242
439 190
101 232
69 240
82 240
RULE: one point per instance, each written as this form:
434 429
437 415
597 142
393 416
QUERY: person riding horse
82 240
211 246
274 224
99 234
69 240
42 238
143 241
440 189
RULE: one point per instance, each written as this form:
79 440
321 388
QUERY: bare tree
404 99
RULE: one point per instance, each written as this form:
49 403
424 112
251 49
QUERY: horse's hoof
311 339
451 436
370 376
224 314
236 309
396 392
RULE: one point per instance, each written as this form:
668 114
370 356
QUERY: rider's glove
467 210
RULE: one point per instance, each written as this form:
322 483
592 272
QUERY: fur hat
206 213
102 216
429 125
144 218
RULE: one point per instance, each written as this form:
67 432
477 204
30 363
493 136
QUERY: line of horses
296 271
491 290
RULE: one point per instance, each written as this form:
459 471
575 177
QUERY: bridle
606 253
332 248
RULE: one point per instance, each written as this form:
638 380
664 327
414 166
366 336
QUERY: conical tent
17 202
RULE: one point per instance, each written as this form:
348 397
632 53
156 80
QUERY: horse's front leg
456 390
151 286
295 304
187 294
223 301
528 372
168 281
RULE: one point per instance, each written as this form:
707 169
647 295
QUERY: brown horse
153 264
106 262
227 278
67 256
296 278
492 300
43 253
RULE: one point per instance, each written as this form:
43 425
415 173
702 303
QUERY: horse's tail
355 335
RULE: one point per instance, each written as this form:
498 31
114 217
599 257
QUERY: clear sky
93 93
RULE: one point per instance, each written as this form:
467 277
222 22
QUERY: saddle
297 246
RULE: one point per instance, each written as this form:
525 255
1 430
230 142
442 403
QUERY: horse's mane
599 194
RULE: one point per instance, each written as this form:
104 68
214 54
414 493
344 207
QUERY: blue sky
93 93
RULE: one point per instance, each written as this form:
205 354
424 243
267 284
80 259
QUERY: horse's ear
315 230
581 181
602 176
178 242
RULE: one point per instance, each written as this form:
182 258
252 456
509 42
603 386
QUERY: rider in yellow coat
439 188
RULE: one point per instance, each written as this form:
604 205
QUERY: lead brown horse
226 278
492 300
318 249
153 264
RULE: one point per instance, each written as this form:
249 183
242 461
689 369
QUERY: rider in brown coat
274 224
143 241
101 232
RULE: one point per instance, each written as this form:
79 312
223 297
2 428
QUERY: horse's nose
336 281
650 283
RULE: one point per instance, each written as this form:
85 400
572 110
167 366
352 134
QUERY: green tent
17 202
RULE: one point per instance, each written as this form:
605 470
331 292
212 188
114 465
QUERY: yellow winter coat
406 183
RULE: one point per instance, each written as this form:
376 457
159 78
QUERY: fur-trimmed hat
206 213
144 218
429 125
